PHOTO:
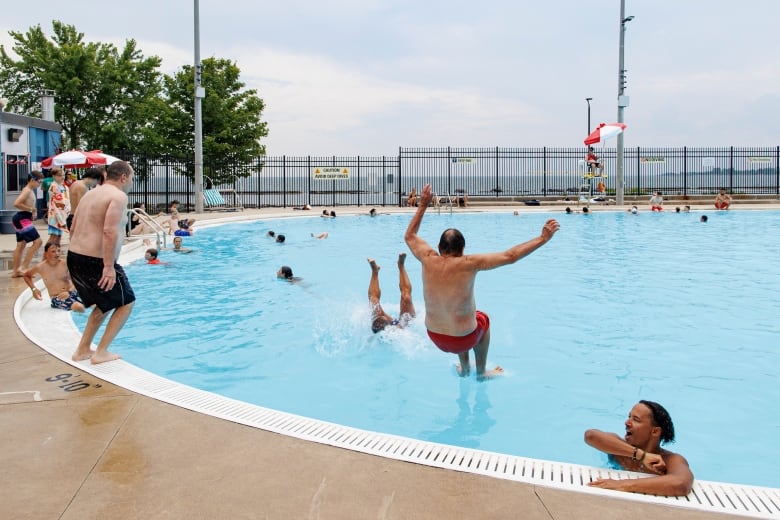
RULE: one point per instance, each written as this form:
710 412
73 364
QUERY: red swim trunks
722 205
458 344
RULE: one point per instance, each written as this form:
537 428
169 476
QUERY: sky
363 77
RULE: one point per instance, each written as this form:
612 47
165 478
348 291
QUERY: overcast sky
350 77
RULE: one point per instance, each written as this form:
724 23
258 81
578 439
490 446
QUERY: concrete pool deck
103 451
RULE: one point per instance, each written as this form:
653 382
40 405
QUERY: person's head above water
452 242
280 238
285 272
661 419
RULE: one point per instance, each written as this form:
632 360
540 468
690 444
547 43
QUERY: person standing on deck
98 231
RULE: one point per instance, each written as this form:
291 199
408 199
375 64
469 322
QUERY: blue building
24 143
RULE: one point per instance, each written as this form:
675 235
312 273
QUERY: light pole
588 100
200 93
622 103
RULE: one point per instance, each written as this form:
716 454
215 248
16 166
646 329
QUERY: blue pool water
616 308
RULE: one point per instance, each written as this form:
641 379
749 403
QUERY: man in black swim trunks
23 222
379 318
96 240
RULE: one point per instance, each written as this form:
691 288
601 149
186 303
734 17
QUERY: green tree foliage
231 119
104 98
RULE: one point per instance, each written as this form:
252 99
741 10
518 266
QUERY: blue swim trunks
67 303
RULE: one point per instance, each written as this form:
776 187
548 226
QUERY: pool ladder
159 232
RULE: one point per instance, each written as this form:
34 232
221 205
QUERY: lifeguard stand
589 176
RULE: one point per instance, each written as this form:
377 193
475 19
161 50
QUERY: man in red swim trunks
454 324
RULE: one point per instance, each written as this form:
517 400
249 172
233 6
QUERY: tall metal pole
200 92
588 100
622 102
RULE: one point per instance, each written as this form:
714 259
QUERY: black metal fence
285 181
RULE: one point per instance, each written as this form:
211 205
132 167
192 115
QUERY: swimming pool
616 308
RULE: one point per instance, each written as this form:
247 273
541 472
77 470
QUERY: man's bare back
101 214
451 316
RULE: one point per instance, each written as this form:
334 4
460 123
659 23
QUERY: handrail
162 236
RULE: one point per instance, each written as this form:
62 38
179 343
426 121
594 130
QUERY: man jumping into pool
379 318
647 427
451 316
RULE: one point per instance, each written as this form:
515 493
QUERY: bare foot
373 265
82 356
103 357
17 274
487 374
401 259
461 371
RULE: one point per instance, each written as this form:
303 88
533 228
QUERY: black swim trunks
86 272
24 227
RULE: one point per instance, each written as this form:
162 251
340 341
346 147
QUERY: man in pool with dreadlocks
647 427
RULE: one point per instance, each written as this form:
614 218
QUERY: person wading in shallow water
454 324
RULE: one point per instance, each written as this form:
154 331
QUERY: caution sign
330 172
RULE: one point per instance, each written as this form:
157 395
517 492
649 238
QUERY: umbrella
604 132
78 159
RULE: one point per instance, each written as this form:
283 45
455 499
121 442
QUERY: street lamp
622 103
588 100
200 93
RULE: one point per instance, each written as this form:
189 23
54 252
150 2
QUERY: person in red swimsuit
593 162
454 324
722 200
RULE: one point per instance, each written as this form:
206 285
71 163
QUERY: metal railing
286 181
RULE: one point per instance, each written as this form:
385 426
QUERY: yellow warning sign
330 172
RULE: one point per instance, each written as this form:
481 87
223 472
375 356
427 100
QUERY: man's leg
379 318
18 271
31 253
407 305
464 367
84 349
374 292
115 324
480 359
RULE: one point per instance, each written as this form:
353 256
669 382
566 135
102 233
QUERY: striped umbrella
603 132
78 159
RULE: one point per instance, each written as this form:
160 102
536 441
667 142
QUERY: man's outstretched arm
417 245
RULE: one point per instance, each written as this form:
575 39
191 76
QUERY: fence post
685 184
544 171
498 163
358 180
731 169
449 170
400 178
685 161
638 166
777 171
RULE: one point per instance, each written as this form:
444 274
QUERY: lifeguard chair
590 179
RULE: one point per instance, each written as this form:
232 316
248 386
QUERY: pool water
614 309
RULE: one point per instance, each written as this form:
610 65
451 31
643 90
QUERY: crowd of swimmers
453 322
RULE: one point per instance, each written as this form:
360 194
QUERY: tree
103 98
231 119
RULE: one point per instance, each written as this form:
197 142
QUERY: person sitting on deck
647 427
722 200
657 202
